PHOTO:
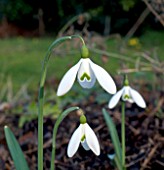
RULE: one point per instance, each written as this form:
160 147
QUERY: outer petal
114 100
103 78
68 80
137 98
92 140
86 68
74 141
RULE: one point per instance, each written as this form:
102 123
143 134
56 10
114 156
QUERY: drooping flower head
86 72
127 94
84 135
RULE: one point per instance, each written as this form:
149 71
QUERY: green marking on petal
126 97
85 75
83 138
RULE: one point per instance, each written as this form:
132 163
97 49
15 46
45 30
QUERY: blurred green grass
21 58
153 39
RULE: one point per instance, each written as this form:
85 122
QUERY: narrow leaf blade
113 133
15 150
118 163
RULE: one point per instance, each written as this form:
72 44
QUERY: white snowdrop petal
92 140
115 99
103 78
126 90
126 96
111 156
85 145
130 100
68 80
138 99
74 141
87 84
85 69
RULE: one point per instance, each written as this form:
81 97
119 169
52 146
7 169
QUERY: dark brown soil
144 137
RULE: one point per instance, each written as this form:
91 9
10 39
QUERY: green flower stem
58 121
41 95
123 133
78 36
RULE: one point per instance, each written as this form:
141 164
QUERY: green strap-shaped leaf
113 134
15 150
118 163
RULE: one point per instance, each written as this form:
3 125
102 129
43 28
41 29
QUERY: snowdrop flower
84 135
127 94
87 72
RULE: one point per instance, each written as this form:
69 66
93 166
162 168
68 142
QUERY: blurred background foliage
28 27
122 14
15 10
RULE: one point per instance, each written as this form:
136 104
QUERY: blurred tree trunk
41 22
107 25
137 23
